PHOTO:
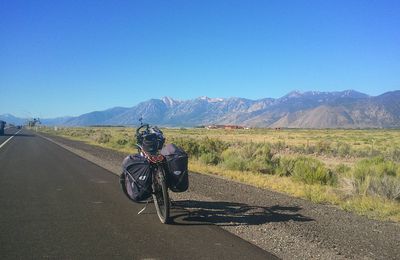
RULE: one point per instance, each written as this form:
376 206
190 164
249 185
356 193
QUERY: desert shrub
249 157
341 169
312 171
207 150
377 166
285 167
343 149
209 145
307 170
310 149
362 153
190 145
393 154
262 159
75 133
210 158
233 161
374 153
304 149
103 138
297 149
378 177
386 186
323 147
122 141
278 146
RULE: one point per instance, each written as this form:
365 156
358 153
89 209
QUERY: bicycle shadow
192 212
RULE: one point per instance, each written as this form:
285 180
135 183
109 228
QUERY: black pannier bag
136 177
177 164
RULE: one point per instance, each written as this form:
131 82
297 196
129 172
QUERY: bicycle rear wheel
160 195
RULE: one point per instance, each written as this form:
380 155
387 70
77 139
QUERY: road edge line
1 145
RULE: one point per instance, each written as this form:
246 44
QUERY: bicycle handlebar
141 127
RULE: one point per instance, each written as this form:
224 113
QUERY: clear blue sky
71 57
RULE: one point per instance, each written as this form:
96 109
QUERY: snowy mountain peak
353 94
168 100
293 94
211 100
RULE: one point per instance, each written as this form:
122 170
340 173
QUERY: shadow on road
192 212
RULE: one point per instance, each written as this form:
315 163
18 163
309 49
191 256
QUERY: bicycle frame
159 186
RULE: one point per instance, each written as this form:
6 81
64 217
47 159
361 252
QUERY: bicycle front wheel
160 195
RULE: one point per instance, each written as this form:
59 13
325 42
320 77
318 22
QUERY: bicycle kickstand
141 211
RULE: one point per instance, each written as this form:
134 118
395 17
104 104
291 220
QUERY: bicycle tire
160 195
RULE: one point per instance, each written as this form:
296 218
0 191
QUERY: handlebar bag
177 168
136 177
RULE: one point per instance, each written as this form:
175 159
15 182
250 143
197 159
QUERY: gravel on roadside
288 227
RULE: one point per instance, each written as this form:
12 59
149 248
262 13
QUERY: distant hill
313 109
22 121
12 119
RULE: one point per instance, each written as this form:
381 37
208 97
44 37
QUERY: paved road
8 132
56 204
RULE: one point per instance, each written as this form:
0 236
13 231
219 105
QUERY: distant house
228 127
233 127
211 127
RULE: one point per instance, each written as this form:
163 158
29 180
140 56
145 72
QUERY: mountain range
312 109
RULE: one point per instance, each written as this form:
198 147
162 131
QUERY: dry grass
359 139
373 207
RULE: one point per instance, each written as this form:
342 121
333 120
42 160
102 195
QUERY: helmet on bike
152 139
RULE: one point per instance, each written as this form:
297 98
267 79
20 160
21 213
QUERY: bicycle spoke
160 195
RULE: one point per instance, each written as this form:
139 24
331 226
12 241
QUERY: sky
61 58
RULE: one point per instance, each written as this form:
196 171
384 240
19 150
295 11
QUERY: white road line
1 145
